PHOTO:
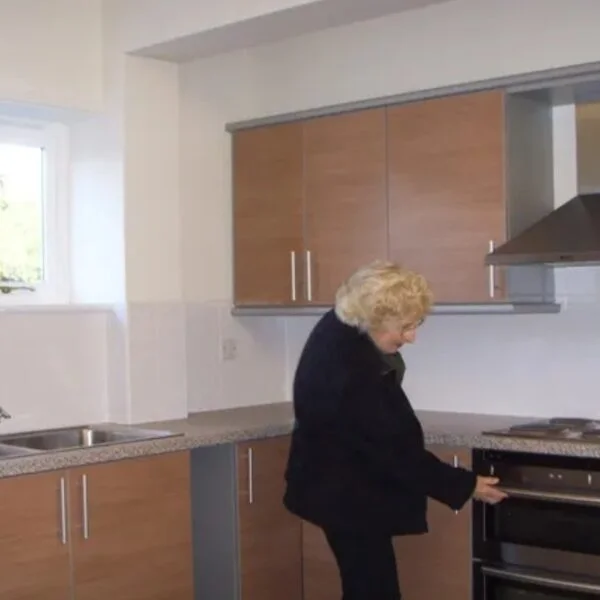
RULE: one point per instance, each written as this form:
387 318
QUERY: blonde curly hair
383 295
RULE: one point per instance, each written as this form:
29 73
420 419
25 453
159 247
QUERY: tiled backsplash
257 372
515 364
160 360
52 368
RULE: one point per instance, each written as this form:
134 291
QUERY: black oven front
543 542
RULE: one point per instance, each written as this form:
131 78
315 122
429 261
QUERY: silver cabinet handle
550 582
84 502
293 274
309 275
578 499
455 465
492 274
250 476
63 511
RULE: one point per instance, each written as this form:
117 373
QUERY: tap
4 415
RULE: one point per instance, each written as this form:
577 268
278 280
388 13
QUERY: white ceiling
277 26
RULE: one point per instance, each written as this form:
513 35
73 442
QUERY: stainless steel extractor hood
570 234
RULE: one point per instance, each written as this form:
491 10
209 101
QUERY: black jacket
358 460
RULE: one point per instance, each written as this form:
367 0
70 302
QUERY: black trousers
367 565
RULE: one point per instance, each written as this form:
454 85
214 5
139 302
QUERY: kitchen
548 359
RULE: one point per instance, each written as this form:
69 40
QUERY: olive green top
396 362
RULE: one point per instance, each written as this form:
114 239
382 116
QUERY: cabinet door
446 170
267 214
438 564
345 198
131 529
270 537
321 578
34 551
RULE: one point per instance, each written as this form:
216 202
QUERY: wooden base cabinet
131 529
247 546
34 550
432 566
114 530
438 564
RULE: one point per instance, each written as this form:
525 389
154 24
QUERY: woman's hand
486 490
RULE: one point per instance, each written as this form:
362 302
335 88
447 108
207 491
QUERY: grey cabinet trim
499 308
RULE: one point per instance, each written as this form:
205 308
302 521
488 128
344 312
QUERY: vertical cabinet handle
250 476
63 511
293 274
85 509
455 464
309 275
492 274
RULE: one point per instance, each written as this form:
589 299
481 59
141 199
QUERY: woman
358 467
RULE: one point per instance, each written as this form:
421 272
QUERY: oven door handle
580 499
550 582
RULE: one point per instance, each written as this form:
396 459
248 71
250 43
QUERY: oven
543 542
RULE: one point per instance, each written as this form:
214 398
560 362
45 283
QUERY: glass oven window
542 524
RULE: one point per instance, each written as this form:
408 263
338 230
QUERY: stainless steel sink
14 451
77 437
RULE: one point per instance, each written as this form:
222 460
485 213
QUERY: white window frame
55 289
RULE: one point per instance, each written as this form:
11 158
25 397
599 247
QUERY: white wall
53 363
51 53
523 365
53 369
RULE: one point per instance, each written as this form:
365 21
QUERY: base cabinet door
247 546
269 536
34 551
430 567
438 564
320 574
131 529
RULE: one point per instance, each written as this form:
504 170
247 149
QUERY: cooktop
558 428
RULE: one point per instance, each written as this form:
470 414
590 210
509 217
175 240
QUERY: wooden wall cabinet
464 173
247 546
268 217
431 566
114 530
309 205
432 184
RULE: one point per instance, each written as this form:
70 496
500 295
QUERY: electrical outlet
229 349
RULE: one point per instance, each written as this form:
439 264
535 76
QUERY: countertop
255 422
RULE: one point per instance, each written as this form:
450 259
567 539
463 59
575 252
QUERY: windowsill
56 308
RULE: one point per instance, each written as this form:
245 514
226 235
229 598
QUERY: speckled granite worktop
233 425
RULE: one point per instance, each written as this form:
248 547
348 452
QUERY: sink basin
14 451
78 437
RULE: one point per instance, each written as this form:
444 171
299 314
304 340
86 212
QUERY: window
33 215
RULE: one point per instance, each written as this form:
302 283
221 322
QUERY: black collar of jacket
365 355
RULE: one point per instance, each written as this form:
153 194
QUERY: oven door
540 530
498 583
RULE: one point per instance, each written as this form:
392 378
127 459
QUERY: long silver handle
250 476
455 465
63 511
551 582
84 501
293 274
309 275
579 499
492 274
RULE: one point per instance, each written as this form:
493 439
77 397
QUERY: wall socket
229 349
